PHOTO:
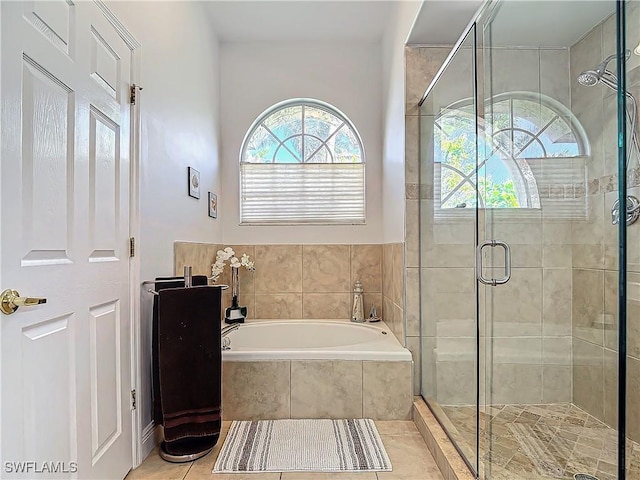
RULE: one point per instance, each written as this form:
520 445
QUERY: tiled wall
309 281
595 240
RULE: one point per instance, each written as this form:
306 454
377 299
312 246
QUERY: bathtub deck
409 456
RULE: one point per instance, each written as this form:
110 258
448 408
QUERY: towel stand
188 281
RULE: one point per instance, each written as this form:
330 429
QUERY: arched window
525 155
302 162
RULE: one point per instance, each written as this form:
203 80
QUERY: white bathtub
313 340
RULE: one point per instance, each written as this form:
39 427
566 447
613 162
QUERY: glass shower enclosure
529 267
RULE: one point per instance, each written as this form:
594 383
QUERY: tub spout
228 329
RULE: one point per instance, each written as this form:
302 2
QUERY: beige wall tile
588 305
366 266
516 384
412 233
556 384
256 390
610 366
386 390
556 301
412 307
588 377
422 64
516 308
325 268
556 350
633 399
327 305
278 269
326 389
199 255
278 305
387 270
610 317
397 253
412 151
413 344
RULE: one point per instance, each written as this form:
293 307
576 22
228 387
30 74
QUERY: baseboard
151 436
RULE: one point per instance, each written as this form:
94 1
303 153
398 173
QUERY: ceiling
266 20
539 23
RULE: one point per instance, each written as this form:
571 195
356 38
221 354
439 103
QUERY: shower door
548 254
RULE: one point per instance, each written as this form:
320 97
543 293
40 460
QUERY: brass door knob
10 300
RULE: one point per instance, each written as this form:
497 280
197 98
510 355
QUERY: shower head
589 78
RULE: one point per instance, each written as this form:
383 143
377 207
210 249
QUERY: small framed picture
213 205
194 183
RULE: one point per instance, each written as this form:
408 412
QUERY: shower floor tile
540 442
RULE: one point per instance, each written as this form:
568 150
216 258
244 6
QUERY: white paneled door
65 188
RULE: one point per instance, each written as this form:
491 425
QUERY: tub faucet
226 341
228 329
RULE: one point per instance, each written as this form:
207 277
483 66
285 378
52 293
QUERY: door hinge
133 399
133 95
132 247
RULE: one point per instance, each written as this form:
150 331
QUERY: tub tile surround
407 451
316 389
297 281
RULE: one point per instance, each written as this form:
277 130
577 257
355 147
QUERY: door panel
66 366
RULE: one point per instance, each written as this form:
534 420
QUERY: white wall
255 76
393 157
180 128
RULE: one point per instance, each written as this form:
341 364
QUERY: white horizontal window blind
302 162
302 193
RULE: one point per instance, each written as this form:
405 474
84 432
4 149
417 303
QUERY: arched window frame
518 164
312 186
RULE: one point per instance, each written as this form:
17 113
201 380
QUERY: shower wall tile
412 306
515 70
517 307
588 377
412 233
554 81
588 305
556 384
516 384
412 151
556 351
585 54
633 399
556 301
610 372
517 350
421 66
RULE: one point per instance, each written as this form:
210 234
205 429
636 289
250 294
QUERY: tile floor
408 453
539 442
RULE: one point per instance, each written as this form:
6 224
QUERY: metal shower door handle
507 263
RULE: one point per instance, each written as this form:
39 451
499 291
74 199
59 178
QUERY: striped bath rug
302 446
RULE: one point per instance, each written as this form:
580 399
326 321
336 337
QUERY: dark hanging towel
179 282
190 367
